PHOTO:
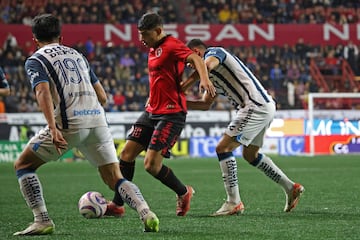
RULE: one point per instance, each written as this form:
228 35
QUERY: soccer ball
92 205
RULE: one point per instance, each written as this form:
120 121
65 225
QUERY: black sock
168 178
127 170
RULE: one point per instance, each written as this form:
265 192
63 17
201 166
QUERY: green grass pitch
329 208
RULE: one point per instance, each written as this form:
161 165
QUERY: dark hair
46 27
196 43
149 21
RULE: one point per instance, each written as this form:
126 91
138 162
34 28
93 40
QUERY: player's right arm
202 104
44 99
189 82
205 83
40 84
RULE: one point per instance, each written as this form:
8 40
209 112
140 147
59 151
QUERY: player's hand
58 140
208 87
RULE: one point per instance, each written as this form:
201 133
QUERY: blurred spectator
9 43
25 132
277 78
127 61
351 54
224 14
332 63
291 93
89 48
293 72
119 99
4 84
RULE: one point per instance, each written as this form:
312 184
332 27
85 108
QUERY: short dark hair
46 27
196 43
149 21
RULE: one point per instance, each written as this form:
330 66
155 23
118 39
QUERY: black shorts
158 132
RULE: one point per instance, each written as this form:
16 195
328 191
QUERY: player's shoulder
171 41
215 51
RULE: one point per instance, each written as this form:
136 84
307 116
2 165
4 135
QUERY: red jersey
166 65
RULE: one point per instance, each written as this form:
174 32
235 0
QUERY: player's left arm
99 89
211 62
100 93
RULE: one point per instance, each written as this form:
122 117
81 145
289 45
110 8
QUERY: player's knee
221 148
128 155
249 156
110 182
17 164
110 174
124 154
151 167
21 163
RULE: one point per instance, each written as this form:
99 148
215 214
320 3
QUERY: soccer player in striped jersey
160 125
70 97
255 111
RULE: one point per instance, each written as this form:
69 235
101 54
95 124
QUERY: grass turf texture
329 208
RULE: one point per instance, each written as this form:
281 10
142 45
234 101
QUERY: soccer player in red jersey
160 125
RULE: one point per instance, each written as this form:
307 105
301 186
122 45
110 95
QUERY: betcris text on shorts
87 112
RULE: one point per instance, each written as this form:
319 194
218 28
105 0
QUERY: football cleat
151 222
38 228
229 208
183 202
292 197
114 210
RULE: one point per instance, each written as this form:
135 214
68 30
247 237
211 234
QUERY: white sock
131 194
32 192
228 168
268 167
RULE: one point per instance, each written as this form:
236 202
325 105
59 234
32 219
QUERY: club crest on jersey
158 52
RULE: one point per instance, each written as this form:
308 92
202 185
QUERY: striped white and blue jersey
234 80
70 79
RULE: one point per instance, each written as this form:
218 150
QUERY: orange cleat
183 202
292 198
114 210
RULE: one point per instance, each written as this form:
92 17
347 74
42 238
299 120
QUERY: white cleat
38 228
229 208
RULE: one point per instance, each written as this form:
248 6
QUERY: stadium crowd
185 11
283 70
